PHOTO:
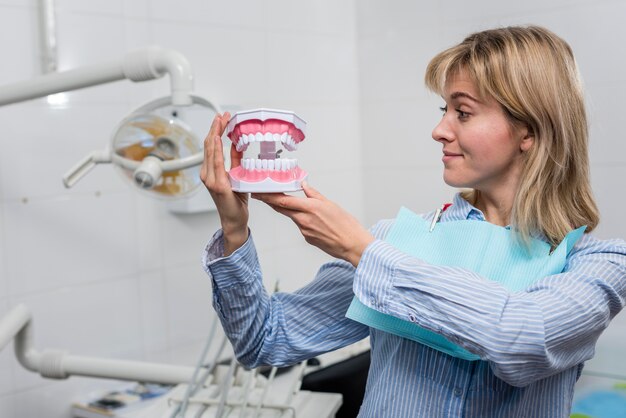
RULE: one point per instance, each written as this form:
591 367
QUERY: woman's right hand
232 207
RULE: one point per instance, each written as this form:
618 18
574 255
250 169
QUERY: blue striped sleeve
527 335
283 328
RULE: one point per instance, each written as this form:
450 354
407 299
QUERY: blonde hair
532 73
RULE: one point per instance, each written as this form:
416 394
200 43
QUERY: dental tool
196 383
275 131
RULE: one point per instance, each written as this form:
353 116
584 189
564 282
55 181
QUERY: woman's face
481 150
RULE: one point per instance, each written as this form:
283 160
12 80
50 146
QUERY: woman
514 133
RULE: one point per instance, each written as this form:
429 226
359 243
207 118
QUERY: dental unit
209 390
274 131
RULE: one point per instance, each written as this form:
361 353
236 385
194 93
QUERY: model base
266 186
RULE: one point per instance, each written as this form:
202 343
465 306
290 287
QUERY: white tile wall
22 43
153 315
187 303
239 13
403 139
332 141
605 143
324 17
102 257
59 241
7 359
321 69
607 181
4 280
104 7
7 406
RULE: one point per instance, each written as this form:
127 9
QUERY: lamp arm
171 165
85 165
140 65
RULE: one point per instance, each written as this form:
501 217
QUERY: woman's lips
449 156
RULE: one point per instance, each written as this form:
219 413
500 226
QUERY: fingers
235 157
284 201
284 211
212 169
224 123
218 160
311 192
207 173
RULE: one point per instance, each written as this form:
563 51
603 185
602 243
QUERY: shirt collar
461 209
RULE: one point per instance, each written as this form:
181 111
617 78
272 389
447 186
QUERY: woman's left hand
322 223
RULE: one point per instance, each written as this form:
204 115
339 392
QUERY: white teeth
287 140
290 144
280 164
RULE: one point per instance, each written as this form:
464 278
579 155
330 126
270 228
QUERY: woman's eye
462 115
443 109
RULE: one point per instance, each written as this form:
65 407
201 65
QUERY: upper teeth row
284 138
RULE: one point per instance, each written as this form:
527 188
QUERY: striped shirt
532 343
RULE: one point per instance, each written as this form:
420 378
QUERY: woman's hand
232 207
322 223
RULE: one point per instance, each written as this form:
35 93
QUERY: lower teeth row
282 164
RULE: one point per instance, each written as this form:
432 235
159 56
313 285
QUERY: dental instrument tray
274 131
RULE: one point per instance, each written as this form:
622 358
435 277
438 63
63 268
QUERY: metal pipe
141 65
17 325
47 20
12 323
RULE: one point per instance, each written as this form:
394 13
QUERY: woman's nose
441 132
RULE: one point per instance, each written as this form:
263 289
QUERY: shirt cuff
374 276
235 269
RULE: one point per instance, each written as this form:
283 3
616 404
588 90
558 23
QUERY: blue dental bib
489 250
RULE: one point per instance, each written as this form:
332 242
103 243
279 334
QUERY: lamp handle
84 166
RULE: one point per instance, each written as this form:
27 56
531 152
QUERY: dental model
272 129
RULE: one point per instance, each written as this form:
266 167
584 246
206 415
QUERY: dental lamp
156 144
155 148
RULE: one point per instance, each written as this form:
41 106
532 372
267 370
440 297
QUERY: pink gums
253 176
273 126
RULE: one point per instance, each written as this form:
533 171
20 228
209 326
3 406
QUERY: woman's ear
528 139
